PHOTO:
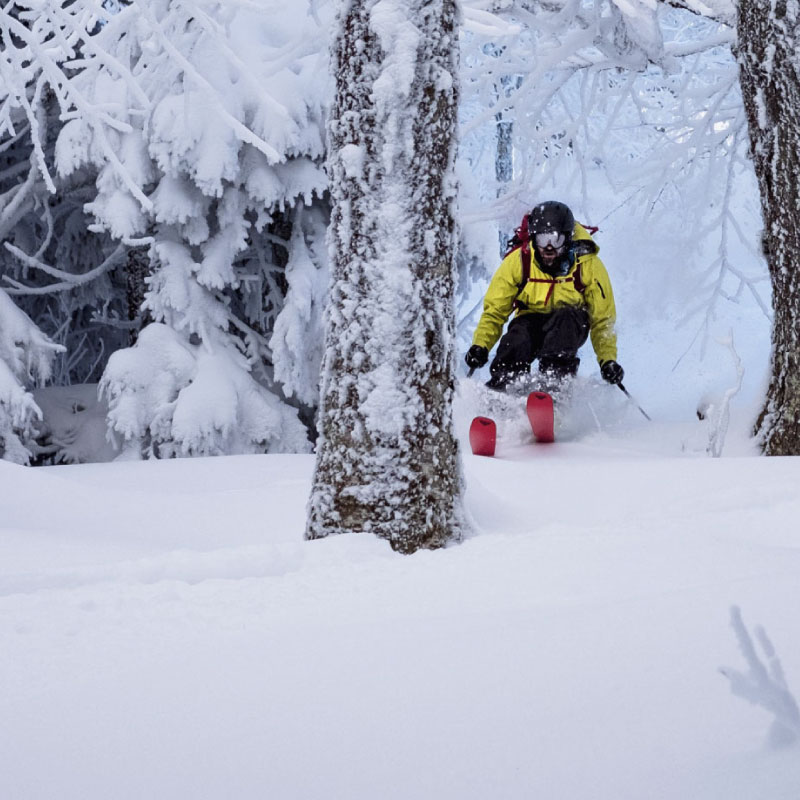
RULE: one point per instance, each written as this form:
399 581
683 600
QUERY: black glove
476 356
612 372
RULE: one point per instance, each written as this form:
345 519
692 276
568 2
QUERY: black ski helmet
551 216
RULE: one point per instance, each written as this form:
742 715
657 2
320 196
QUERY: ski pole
471 370
628 395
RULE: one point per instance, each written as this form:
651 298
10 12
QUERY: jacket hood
582 241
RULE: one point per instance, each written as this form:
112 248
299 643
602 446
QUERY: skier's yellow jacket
586 285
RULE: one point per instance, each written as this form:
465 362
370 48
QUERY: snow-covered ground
165 632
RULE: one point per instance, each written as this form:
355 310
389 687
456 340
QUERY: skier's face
549 254
551 245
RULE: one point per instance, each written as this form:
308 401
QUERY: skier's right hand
476 356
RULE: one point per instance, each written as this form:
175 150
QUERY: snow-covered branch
41 41
67 280
719 10
26 357
721 412
178 142
203 404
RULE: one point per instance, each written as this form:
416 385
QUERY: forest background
164 205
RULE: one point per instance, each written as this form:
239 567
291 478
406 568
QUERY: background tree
212 172
60 276
161 162
769 41
387 459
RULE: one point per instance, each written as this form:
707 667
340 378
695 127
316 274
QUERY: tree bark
387 458
769 40
137 269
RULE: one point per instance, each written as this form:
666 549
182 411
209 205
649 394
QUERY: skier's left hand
612 372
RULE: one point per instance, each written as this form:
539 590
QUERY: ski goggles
552 239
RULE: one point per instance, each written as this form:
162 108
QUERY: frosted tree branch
11 208
36 66
722 413
241 130
68 280
107 59
719 10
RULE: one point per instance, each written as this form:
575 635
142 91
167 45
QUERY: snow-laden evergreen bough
387 460
26 357
209 144
62 277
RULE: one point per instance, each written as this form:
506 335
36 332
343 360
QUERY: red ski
540 415
483 436
483 431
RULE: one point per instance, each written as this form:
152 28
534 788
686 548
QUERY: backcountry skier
565 298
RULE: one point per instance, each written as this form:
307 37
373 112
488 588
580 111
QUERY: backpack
521 240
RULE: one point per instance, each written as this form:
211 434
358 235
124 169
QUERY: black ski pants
553 338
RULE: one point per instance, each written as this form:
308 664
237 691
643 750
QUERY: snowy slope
166 633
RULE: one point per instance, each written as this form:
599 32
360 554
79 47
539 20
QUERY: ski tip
540 396
483 436
540 415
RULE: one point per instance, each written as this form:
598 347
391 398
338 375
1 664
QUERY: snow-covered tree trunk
388 460
769 41
137 270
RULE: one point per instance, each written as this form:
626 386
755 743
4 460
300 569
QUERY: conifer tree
388 460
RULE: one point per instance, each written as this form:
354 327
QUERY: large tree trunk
769 41
387 459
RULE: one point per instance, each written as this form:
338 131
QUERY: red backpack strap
525 256
520 238
524 231
521 241
524 236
